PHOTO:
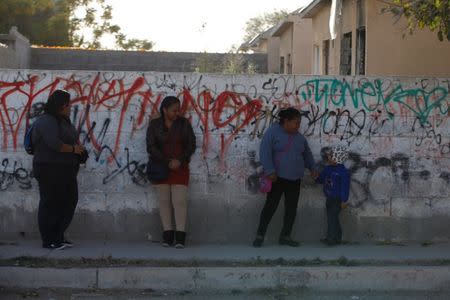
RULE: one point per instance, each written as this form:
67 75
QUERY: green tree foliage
432 14
72 23
36 19
261 23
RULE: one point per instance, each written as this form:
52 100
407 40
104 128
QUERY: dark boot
288 241
168 237
180 238
258 242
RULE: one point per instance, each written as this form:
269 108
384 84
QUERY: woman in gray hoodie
55 166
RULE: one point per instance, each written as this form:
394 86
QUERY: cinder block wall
14 50
67 59
397 129
7 58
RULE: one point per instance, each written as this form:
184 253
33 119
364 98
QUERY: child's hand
314 174
344 205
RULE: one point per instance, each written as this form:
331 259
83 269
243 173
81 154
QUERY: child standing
336 185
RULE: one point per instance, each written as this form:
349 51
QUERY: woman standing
171 142
284 155
55 167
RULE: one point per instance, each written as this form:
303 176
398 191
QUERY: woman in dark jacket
171 141
55 167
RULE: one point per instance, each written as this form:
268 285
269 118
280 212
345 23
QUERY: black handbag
83 157
157 171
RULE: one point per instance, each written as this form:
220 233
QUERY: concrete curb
398 278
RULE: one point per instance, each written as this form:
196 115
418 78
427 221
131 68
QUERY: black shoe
258 242
67 243
180 239
324 241
55 246
168 237
328 242
288 241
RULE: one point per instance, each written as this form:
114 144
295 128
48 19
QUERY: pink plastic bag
265 184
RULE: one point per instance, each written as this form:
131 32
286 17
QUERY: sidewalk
243 254
114 264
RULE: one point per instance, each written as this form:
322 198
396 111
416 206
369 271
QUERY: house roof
257 40
313 8
282 27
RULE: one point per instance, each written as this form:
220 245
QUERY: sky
192 25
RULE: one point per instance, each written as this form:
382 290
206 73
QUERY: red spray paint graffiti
227 109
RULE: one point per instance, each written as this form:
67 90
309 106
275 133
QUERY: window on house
289 64
326 57
361 51
316 60
361 11
360 61
346 54
281 64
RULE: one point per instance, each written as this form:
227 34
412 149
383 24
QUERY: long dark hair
167 102
56 101
288 114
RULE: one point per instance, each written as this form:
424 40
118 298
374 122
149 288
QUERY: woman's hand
174 164
273 177
344 205
78 149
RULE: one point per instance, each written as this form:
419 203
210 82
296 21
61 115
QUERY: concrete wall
7 57
302 59
388 53
273 54
16 54
397 129
66 59
286 49
321 32
296 40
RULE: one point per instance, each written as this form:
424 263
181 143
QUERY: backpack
27 141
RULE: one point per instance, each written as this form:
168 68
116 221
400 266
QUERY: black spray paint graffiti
9 175
133 168
427 137
253 179
398 165
344 124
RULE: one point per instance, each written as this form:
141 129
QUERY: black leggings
334 230
58 190
291 191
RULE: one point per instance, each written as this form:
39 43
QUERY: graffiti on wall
111 112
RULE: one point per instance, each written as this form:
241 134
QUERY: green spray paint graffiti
371 95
